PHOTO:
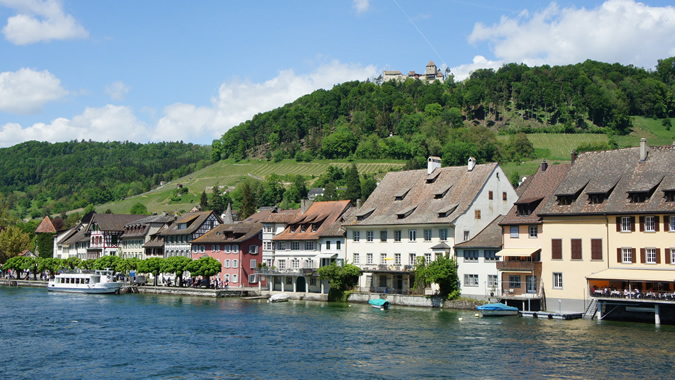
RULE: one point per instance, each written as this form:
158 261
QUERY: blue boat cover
378 302
496 306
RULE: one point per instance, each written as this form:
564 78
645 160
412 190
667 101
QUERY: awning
517 252
634 275
326 255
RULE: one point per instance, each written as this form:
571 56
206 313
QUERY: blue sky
169 70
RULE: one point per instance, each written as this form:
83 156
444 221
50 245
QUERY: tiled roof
194 219
67 238
619 172
540 188
282 216
230 233
45 226
408 198
489 237
327 214
113 222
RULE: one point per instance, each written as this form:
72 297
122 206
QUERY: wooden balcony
519 266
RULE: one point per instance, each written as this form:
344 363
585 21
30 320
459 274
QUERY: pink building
238 249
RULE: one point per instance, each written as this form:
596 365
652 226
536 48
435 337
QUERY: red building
238 249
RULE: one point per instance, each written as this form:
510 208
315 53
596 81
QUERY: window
672 223
649 224
281 246
217 247
213 247
557 280
226 263
355 258
504 195
490 195
412 258
253 249
252 278
312 281
195 248
295 245
327 245
576 249
226 249
534 231
369 235
671 256
235 263
476 214
412 235
427 258
356 235
282 264
309 246
397 235
471 280
253 264
267 228
338 245
670 195
235 248
492 281
514 281
226 277
650 255
427 235
289 280
267 246
295 264
369 258
470 255
514 231
627 224
490 255
466 235
202 248
383 235
556 249
235 278
443 234
383 258
397 258
596 249
626 255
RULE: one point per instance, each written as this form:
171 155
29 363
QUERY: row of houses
605 222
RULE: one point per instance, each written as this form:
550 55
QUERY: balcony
518 266
385 268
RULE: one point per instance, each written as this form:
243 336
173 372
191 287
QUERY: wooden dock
547 315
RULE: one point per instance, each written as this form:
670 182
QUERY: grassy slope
556 148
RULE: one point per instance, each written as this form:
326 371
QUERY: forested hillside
40 178
411 120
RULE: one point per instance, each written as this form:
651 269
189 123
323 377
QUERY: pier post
283 284
295 284
598 312
657 315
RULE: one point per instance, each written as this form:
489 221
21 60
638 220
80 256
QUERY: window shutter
618 224
658 255
618 256
642 255
667 256
632 255
642 224
556 249
656 223
666 223
576 249
596 249
632 224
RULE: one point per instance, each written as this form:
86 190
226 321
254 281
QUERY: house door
300 285
531 282
398 283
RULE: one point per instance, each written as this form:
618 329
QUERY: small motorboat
379 304
282 297
497 310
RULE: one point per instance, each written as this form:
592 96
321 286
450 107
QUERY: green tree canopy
442 271
139 209
12 242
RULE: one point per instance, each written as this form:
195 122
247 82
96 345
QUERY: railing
385 267
304 271
636 295
518 265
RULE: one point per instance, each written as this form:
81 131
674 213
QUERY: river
77 336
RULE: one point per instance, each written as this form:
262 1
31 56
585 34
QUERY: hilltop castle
431 74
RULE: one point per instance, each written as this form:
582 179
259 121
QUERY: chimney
358 204
433 162
472 163
574 156
304 205
643 149
544 165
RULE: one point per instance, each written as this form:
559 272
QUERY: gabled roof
194 220
112 222
439 202
540 188
326 213
489 237
617 174
46 226
230 233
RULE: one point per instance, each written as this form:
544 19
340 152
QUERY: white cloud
40 21
361 6
622 31
108 123
238 101
462 72
26 91
117 90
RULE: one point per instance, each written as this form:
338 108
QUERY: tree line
413 119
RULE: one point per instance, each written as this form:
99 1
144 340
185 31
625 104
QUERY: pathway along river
47 335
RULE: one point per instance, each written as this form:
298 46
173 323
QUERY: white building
477 262
138 233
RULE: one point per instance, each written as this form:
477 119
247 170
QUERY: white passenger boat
98 282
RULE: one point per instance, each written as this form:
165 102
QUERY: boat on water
379 304
97 282
283 297
497 310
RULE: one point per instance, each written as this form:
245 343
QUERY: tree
248 204
16 263
176 265
353 184
139 209
152 265
217 204
206 267
106 262
341 278
204 201
45 244
368 185
442 271
12 242
52 265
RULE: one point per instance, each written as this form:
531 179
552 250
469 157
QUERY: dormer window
303 228
638 197
405 212
670 195
596 199
565 200
525 207
315 227
440 194
293 228
364 214
401 195
524 210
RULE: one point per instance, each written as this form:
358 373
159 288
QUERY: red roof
46 227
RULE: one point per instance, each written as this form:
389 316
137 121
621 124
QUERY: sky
168 70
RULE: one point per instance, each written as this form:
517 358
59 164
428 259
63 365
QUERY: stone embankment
417 301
